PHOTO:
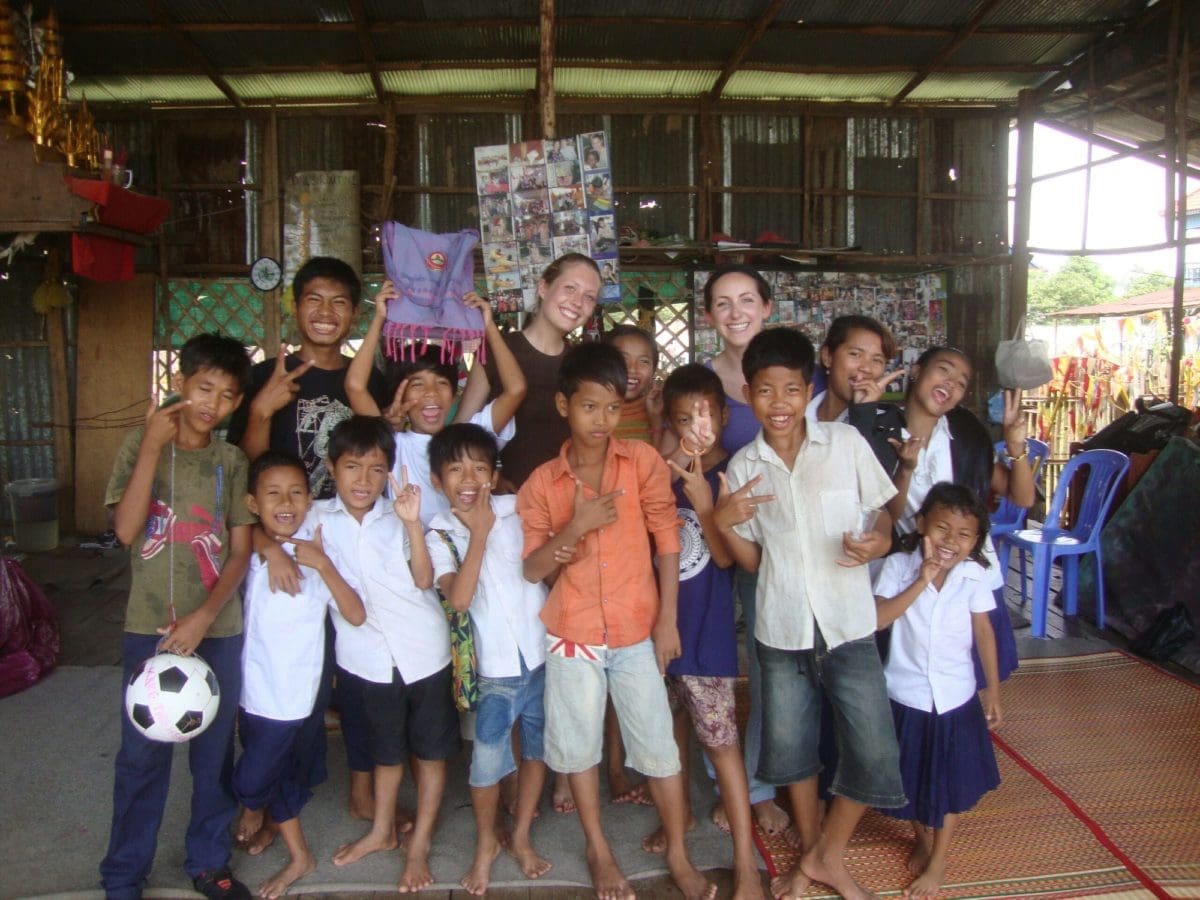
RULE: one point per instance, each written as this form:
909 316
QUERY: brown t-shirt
541 431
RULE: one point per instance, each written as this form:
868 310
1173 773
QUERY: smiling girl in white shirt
938 597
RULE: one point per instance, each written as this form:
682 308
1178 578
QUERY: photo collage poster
912 307
539 200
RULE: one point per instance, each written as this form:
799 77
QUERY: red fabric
120 208
101 258
29 641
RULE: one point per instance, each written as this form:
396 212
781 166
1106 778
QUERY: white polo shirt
505 608
799 580
929 663
284 647
406 628
412 450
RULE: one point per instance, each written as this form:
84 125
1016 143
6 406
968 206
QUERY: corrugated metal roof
987 87
585 82
247 51
831 88
801 49
460 81
147 89
301 86
1025 49
516 42
693 43
1145 303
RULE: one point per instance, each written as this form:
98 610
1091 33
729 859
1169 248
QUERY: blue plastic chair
1106 469
1008 517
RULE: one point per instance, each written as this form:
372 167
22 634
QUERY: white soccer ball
172 698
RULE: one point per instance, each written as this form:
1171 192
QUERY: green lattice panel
232 308
672 298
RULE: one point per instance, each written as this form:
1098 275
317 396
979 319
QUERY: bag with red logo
431 273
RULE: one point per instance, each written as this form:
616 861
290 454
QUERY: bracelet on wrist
1010 458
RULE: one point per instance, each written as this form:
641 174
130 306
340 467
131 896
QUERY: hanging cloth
431 273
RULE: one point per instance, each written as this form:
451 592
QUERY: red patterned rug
1100 765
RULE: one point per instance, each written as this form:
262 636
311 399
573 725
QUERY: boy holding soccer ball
177 500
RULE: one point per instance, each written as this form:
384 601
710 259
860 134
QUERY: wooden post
545 80
1179 209
705 153
1019 293
64 463
271 228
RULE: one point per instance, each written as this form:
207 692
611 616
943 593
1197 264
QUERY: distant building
1191 267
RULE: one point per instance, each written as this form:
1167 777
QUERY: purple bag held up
431 273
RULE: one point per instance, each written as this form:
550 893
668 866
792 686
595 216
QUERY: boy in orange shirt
610 618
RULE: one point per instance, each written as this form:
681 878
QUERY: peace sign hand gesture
869 390
281 388
310 553
408 498
739 506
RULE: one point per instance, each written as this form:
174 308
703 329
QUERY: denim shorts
505 703
578 678
851 677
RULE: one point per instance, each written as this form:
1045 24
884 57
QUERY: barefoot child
815 629
176 496
399 658
939 598
701 680
476 548
588 517
641 420
282 660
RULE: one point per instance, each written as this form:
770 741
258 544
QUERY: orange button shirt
608 593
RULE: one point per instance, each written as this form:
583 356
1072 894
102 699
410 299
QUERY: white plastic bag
1023 364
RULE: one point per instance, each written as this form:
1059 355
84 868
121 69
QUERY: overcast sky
1126 208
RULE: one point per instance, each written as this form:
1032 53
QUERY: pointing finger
889 377
394 483
316 538
404 476
281 360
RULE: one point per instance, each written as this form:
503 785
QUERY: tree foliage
1147 283
1080 282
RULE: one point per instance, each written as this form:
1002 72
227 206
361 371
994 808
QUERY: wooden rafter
545 70
946 52
188 46
1098 27
1103 48
749 40
1149 155
361 28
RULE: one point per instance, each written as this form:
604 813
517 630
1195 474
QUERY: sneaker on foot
220 884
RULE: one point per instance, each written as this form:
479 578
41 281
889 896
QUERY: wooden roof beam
749 40
359 13
1109 144
957 41
188 46
547 120
1097 26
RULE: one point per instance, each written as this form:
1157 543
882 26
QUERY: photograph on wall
539 200
911 306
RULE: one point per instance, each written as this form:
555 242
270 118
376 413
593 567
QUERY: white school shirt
412 450
799 581
505 609
934 464
406 627
929 664
284 645
811 412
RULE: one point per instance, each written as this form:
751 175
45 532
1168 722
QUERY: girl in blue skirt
938 596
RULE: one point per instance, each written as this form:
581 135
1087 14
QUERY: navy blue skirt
1006 643
946 761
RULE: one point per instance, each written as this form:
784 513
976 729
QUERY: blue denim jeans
576 695
143 775
504 704
851 676
745 584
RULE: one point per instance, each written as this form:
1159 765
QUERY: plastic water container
34 506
